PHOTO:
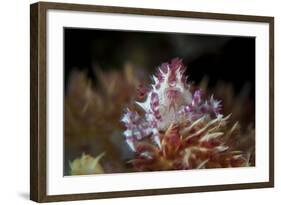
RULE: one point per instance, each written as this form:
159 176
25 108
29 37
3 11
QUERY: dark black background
226 58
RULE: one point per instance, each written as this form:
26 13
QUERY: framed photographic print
133 102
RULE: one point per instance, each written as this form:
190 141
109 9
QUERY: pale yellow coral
86 164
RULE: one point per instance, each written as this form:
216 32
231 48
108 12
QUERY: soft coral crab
178 129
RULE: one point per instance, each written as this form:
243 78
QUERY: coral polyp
86 164
177 127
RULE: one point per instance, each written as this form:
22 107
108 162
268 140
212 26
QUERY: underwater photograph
137 101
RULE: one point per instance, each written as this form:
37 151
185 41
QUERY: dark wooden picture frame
38 101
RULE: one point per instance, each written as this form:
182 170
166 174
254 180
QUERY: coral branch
179 128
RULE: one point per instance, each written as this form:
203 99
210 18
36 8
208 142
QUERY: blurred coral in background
92 117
